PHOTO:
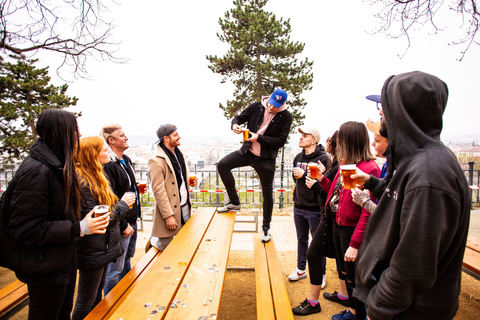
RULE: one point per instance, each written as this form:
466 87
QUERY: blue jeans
265 168
306 222
90 284
116 268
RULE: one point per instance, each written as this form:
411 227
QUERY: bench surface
271 268
471 259
12 295
203 242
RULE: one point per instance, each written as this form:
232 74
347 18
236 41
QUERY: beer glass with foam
347 170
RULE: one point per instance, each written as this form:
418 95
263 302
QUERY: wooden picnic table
186 280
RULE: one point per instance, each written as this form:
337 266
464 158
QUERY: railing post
282 167
217 182
470 172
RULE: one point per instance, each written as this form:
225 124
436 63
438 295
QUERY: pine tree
24 93
261 58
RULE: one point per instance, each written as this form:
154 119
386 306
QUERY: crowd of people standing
397 255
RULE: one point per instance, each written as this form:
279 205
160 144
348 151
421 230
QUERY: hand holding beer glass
142 188
193 181
316 170
347 170
299 170
101 213
129 198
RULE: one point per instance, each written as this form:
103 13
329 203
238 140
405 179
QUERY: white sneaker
324 282
297 274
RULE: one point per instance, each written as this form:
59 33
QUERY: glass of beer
142 188
313 169
130 194
246 134
347 170
100 210
191 180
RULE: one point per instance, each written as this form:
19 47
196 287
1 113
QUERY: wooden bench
471 259
271 292
12 295
184 282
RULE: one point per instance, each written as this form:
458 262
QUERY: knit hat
309 130
278 98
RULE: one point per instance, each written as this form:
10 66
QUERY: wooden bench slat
201 290
127 283
262 282
12 295
471 260
473 243
281 302
155 290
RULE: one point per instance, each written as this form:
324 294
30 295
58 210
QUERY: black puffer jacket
37 232
97 250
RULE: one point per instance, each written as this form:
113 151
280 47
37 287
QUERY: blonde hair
91 173
107 131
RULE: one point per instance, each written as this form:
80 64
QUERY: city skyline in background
167 79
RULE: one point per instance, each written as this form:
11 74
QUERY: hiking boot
344 315
266 237
297 274
324 282
334 298
306 308
229 207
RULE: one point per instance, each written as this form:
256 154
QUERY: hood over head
413 104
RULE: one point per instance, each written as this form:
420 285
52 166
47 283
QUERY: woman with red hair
94 253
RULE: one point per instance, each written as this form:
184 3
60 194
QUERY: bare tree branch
74 29
408 14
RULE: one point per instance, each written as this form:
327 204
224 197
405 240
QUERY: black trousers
265 168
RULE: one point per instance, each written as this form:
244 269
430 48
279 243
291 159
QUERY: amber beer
246 134
347 170
191 180
142 188
100 210
312 167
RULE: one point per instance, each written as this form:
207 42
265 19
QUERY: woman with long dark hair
94 253
40 218
353 147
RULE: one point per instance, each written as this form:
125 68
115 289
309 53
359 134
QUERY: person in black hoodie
410 262
40 218
121 176
94 253
308 213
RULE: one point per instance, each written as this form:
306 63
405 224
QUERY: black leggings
317 261
346 270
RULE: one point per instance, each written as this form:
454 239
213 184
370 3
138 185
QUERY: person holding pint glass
40 218
268 123
353 150
94 253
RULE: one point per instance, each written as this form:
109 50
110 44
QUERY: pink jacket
349 213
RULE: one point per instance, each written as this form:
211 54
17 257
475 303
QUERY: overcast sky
167 79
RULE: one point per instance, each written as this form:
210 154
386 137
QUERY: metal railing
210 190
247 182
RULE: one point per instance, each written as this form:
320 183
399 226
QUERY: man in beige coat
169 177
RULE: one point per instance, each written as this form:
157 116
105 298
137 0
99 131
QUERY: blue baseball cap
278 98
374 98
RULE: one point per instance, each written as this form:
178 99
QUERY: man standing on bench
170 179
268 124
